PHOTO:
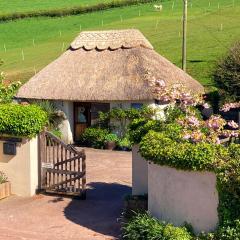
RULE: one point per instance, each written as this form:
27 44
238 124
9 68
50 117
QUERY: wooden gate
62 167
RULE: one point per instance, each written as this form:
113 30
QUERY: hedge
71 11
21 120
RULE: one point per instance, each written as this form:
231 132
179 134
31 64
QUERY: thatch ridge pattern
112 39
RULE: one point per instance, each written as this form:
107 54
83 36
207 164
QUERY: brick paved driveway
53 218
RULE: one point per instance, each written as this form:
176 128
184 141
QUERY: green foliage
111 137
125 143
163 150
21 120
70 10
227 74
3 177
145 227
56 132
7 92
122 117
55 116
93 137
138 128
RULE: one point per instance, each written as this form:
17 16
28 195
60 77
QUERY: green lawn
13 6
207 42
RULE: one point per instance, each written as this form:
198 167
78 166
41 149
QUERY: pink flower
233 124
206 105
161 83
218 141
187 136
228 106
193 121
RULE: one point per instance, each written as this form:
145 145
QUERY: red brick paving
53 218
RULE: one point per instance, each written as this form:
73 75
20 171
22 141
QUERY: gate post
42 158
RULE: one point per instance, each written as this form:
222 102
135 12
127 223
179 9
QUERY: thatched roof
105 66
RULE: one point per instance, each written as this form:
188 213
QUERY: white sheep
158 7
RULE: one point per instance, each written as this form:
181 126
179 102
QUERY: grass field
28 45
13 6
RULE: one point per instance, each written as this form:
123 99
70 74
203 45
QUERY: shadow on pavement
102 208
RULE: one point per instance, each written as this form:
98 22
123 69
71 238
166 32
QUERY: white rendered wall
182 196
139 173
22 169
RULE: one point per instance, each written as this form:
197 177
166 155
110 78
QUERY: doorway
82 118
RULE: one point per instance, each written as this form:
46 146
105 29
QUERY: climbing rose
233 124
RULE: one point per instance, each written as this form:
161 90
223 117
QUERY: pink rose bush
228 106
194 128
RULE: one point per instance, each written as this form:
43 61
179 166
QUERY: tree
227 73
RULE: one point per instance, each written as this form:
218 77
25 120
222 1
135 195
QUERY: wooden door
82 119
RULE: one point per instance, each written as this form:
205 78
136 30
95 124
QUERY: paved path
56 218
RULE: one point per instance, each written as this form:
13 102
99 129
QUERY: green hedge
145 227
21 120
163 150
71 11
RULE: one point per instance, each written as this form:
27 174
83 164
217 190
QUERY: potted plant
5 186
124 144
111 140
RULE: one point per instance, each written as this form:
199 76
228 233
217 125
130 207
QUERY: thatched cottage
101 70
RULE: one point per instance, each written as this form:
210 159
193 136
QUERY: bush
56 132
21 120
140 127
93 137
125 143
227 74
111 137
163 150
145 227
55 116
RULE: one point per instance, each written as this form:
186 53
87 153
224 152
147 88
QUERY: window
137 105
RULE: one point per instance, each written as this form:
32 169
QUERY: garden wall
176 196
182 196
139 173
22 168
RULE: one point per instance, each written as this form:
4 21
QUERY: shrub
55 116
56 132
163 150
93 137
227 74
145 227
125 143
111 137
140 127
7 92
21 120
